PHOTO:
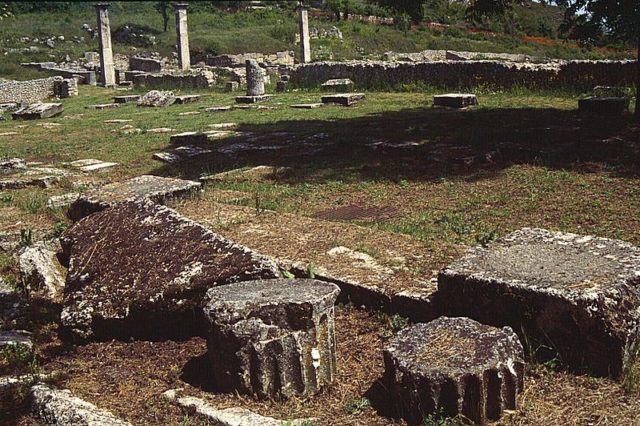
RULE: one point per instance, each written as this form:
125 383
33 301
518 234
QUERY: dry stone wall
201 80
379 74
32 91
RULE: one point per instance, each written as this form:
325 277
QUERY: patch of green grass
357 405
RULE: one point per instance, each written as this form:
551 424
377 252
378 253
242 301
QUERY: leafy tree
163 8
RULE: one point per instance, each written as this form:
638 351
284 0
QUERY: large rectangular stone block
570 297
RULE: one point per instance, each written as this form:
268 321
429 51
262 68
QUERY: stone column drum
182 32
107 69
454 366
255 78
305 46
272 338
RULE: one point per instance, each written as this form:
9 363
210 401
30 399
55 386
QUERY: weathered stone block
137 63
604 106
126 99
231 86
253 99
455 100
39 110
345 99
454 366
155 188
187 99
198 138
156 98
273 338
307 106
570 296
104 106
142 270
338 85
281 86
41 272
255 78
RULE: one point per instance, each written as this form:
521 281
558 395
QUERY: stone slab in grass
338 85
125 99
454 366
157 98
604 105
253 99
155 188
455 100
344 99
38 110
307 106
180 154
103 106
91 165
187 99
199 138
117 121
572 297
141 270
42 177
218 108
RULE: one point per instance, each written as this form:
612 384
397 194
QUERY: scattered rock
62 201
142 270
155 188
455 100
273 338
156 98
160 130
218 108
572 297
187 99
251 174
103 106
181 153
454 366
199 138
38 110
118 121
338 85
16 338
125 99
220 126
253 99
184 114
307 106
344 99
41 272
9 133
10 165
91 165
60 407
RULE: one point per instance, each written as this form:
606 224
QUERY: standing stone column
305 46
182 32
255 78
107 70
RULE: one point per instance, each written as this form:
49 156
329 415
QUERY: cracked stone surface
455 100
142 270
344 99
61 408
572 296
272 338
454 366
157 98
38 110
155 188
41 272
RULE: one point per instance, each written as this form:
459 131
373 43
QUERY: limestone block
38 110
61 408
41 272
338 85
255 78
155 188
345 99
157 98
272 338
142 270
454 366
455 100
572 297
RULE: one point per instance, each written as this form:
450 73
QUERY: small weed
398 322
59 228
552 364
185 420
287 274
26 237
357 405
484 238
440 419
311 270
19 358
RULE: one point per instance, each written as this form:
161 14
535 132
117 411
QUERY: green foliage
439 419
287 274
20 359
398 322
26 237
162 7
357 405
487 237
311 270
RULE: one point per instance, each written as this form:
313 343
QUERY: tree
615 19
163 8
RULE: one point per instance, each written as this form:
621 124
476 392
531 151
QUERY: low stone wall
191 81
145 64
467 74
32 91
83 76
285 58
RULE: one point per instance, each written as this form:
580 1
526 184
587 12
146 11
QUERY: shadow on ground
423 144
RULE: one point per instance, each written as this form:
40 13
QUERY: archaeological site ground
334 213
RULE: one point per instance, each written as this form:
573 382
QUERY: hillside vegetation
217 31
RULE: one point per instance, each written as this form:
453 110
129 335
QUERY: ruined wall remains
137 63
32 91
279 58
455 74
202 79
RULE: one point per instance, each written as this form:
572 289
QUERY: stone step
455 100
344 99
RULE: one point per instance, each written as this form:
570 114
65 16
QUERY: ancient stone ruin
454 366
455 100
255 84
570 296
272 338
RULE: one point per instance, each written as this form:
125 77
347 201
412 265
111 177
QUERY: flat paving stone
180 154
103 106
125 99
188 113
199 138
344 99
188 99
338 85
155 188
223 126
91 165
118 121
253 99
160 130
572 297
455 100
141 270
218 108
38 110
307 106
454 366
604 105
